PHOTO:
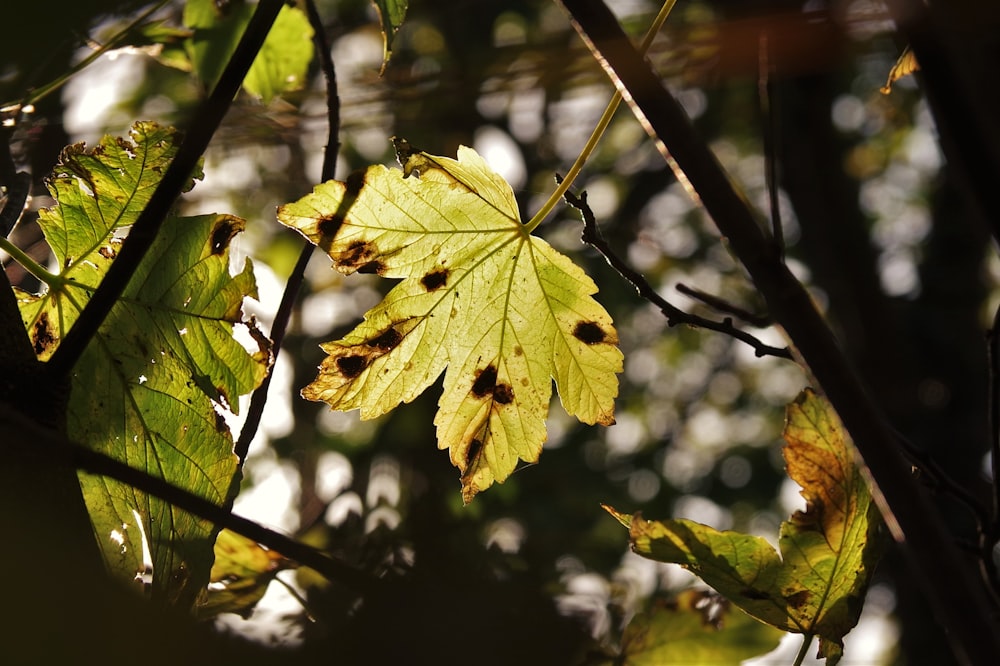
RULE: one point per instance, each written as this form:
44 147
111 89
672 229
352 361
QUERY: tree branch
203 126
960 603
592 236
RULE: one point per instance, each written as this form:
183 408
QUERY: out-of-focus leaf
905 65
282 62
391 14
816 585
242 571
502 310
151 388
698 628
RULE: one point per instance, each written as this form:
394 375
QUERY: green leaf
242 571
391 14
282 63
500 308
816 585
152 386
697 628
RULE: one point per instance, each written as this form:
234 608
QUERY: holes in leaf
589 333
351 366
436 279
386 341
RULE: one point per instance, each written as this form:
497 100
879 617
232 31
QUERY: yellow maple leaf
500 308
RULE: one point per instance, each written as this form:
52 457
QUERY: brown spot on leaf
220 423
42 334
351 366
329 226
386 341
475 446
485 382
107 252
436 279
372 268
799 599
589 333
357 255
503 394
222 233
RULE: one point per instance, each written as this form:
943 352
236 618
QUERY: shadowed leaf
817 583
152 386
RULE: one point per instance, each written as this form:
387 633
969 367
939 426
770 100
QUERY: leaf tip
623 518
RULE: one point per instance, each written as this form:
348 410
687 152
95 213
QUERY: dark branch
47 445
963 608
769 114
722 305
203 126
294 283
674 315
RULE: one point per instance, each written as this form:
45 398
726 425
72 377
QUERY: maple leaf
816 585
500 308
149 388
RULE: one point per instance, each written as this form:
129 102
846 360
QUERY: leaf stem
807 640
598 132
53 281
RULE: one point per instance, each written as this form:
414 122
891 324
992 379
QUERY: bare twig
294 283
203 126
962 606
592 236
722 305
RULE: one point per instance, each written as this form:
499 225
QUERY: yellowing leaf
501 309
151 387
242 571
905 65
816 585
698 628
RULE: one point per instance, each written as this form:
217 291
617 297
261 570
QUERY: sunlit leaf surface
242 571
153 385
502 310
817 583
698 628
283 60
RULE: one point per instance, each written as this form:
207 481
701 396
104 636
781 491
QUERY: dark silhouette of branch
769 117
962 606
722 305
49 447
592 236
294 283
203 126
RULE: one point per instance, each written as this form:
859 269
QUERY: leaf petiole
598 132
807 640
53 281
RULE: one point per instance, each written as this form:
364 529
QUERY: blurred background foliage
872 223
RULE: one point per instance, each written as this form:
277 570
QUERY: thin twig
293 285
592 236
724 306
201 130
992 532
